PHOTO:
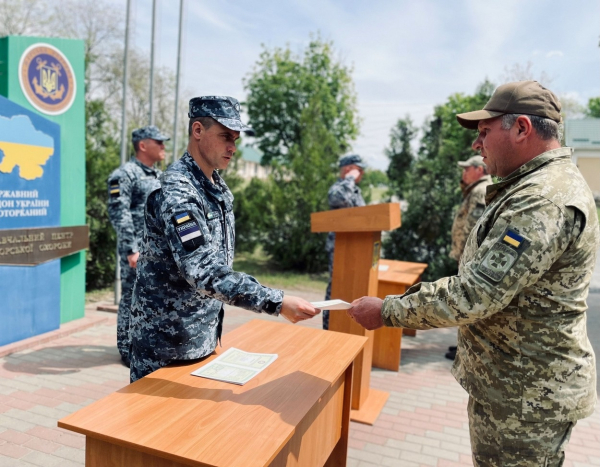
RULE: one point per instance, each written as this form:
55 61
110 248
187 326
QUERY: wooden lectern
296 412
355 261
395 277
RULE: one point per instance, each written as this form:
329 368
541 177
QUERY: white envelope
332 305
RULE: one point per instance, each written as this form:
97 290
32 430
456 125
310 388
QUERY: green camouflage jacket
519 298
469 211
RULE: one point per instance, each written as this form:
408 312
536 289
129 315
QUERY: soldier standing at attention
519 298
474 182
184 273
344 193
128 188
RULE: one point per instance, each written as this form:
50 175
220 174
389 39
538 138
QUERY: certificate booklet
332 305
236 366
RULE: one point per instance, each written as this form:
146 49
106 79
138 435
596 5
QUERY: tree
281 87
303 110
593 107
400 154
102 156
432 187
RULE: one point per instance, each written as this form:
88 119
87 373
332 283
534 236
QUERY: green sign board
46 76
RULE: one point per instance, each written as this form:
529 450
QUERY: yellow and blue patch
114 189
513 238
188 230
181 218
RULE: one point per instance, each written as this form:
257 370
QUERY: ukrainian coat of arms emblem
47 79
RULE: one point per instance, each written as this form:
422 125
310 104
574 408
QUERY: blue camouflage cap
148 132
352 159
224 109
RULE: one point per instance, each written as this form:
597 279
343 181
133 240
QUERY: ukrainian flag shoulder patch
188 230
512 238
114 189
181 218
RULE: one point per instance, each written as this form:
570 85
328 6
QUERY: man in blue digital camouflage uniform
519 299
184 273
128 188
344 193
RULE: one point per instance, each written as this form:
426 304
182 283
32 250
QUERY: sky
407 55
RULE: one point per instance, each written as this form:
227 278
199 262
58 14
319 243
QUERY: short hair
207 122
136 146
544 127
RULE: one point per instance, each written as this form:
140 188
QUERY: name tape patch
188 230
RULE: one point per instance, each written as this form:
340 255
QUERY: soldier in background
344 193
474 182
519 299
185 270
128 188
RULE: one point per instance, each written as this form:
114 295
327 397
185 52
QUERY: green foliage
303 110
593 108
280 89
374 178
102 157
400 155
431 187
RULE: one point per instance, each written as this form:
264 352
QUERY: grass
257 265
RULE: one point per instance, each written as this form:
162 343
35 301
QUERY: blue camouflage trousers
123 315
144 360
329 248
501 440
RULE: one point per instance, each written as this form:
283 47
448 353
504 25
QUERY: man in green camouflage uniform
344 193
474 182
128 188
185 271
519 298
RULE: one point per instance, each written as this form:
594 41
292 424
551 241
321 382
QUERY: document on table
235 366
332 305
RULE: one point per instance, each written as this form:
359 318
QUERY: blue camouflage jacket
184 274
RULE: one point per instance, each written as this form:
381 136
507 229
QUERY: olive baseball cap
475 161
519 97
224 109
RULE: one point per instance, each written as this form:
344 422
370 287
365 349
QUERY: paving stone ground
424 422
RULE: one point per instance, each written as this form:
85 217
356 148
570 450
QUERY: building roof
583 133
251 154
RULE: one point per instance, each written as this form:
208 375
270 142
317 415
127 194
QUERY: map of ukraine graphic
23 147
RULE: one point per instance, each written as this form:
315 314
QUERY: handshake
366 311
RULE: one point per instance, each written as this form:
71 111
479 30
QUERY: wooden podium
395 277
295 413
355 274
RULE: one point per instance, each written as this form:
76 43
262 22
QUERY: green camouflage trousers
500 441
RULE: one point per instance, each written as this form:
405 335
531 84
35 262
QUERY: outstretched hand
296 309
366 311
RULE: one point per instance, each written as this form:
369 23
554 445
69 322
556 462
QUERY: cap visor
470 120
463 164
233 124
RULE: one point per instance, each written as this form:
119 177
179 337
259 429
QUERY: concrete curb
90 319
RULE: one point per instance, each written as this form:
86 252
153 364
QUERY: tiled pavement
423 423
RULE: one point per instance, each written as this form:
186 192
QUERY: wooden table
394 278
295 413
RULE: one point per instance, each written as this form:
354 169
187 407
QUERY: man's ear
197 129
142 145
523 127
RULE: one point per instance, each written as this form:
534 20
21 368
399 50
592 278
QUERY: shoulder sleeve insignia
113 189
503 255
188 230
